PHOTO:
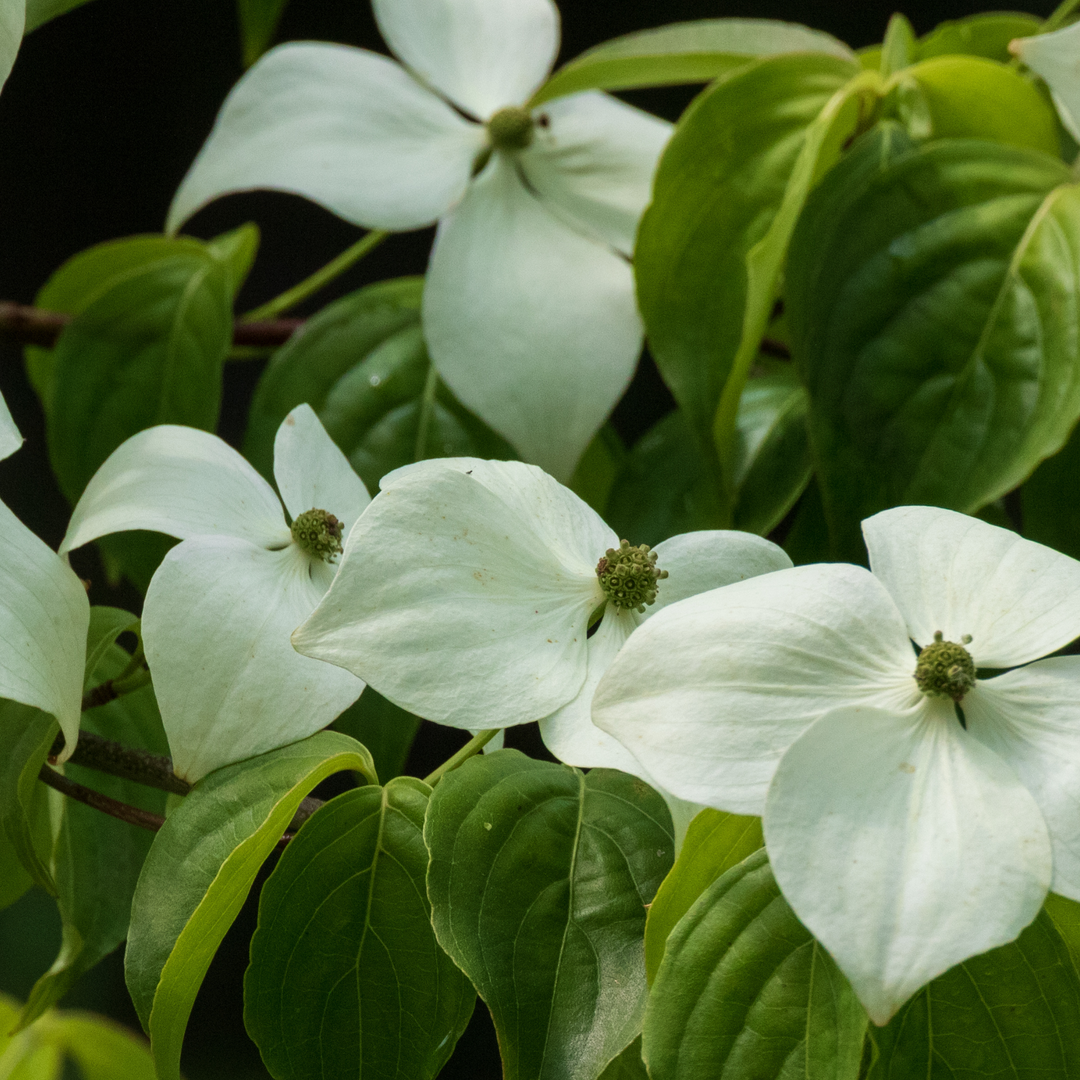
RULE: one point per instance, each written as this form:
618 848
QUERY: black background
103 113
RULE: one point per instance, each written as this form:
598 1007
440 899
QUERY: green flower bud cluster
511 128
945 669
318 533
629 575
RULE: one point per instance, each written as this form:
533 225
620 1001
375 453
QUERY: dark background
103 113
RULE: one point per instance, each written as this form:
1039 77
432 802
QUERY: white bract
44 615
466 591
221 607
1056 58
12 21
528 307
904 840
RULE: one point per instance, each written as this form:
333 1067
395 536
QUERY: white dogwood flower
467 590
221 607
1056 58
528 307
44 615
911 801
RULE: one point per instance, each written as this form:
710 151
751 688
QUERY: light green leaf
346 977
728 191
39 12
937 336
715 842
986 35
684 52
898 48
258 22
1011 1013
538 883
12 17
106 625
745 990
361 364
95 888
237 249
221 834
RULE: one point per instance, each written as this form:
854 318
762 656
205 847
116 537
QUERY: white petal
179 481
343 127
904 845
699 561
950 572
44 615
594 160
712 690
10 437
216 624
482 54
569 733
1031 719
1056 57
465 598
312 473
532 325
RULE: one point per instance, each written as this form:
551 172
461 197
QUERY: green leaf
985 35
14 880
103 1050
346 977
715 842
148 350
39 12
728 191
1065 915
384 728
538 883
1050 515
221 833
258 23
12 18
362 366
106 625
744 990
26 736
972 97
599 468
685 52
936 335
237 249
97 858
628 1065
898 48
1011 1013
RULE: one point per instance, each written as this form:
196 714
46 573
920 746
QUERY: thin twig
25 325
131 814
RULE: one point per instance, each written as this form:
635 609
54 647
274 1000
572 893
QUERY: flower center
629 576
511 128
318 533
945 669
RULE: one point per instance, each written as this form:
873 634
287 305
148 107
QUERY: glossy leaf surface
745 990
538 883
346 976
221 834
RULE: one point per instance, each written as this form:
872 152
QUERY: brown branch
26 325
131 814
151 770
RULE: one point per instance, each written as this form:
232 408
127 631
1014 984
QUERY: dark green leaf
258 22
1051 509
385 729
538 882
1011 1013
148 350
728 192
934 318
684 52
14 880
1065 915
346 977
98 858
714 843
221 834
39 12
362 366
106 625
745 991
628 1065
978 35
807 540
599 468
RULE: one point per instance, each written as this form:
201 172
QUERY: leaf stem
323 276
473 746
111 689
427 407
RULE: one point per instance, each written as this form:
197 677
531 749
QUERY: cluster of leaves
858 277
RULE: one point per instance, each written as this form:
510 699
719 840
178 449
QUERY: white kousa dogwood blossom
221 607
466 593
916 807
1055 57
44 616
528 308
